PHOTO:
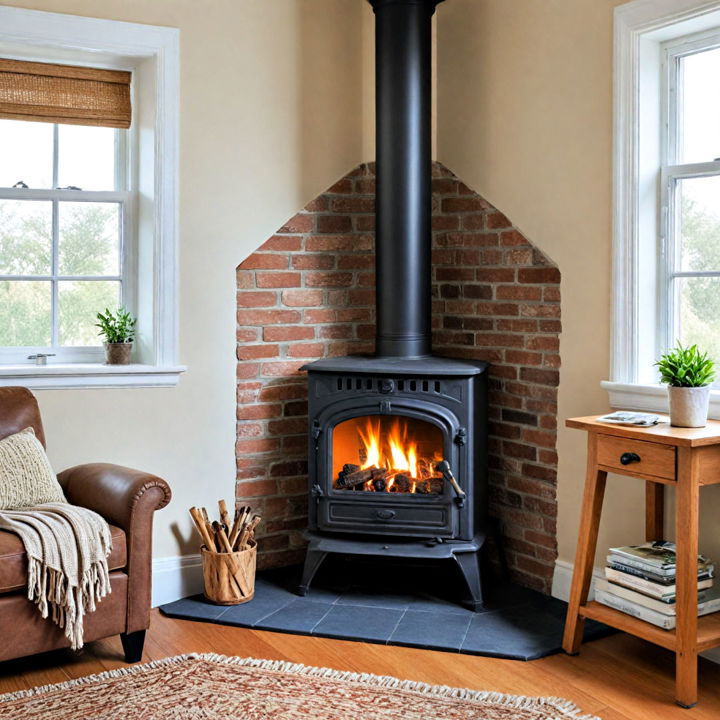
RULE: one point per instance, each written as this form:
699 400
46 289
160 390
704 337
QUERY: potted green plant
688 374
118 329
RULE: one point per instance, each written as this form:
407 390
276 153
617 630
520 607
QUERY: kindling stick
233 533
248 533
202 528
224 517
224 536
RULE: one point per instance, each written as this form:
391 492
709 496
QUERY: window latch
20 184
40 358
69 187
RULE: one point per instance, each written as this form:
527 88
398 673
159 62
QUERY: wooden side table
687 458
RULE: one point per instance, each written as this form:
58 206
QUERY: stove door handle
385 514
444 467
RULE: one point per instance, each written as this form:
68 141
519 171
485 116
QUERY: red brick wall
308 292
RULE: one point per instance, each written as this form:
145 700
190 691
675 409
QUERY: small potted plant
688 374
118 329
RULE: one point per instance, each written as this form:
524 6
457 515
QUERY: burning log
359 477
351 476
436 485
379 485
402 483
424 469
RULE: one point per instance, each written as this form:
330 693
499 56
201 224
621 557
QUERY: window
690 194
65 237
96 225
666 191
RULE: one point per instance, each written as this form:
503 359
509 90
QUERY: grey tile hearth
356 602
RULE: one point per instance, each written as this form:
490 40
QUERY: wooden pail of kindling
229 578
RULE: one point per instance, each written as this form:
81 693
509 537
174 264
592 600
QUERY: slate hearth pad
392 606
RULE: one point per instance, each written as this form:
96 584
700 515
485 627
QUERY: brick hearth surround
308 292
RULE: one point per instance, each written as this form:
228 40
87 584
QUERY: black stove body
397 442
450 398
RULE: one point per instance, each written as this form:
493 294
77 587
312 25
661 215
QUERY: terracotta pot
689 406
118 353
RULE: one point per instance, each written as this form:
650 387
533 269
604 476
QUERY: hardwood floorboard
616 678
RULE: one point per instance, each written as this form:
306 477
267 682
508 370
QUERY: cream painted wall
524 98
271 115
525 118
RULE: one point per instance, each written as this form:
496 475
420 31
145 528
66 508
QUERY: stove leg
313 560
470 568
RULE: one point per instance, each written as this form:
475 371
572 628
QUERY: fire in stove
387 454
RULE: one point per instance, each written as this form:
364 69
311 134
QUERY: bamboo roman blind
64 94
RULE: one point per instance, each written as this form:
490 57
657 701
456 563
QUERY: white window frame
127 247
671 173
646 32
151 53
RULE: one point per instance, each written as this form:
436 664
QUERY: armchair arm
113 491
127 498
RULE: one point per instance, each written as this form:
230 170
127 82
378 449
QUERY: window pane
86 157
26 153
699 214
700 109
78 304
25 237
699 313
89 241
25 313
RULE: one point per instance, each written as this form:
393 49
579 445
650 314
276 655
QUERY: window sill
653 398
89 375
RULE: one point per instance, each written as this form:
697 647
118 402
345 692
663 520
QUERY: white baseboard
176 577
562 578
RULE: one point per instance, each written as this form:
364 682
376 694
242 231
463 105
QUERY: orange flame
394 452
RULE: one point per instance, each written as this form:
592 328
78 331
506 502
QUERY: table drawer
636 456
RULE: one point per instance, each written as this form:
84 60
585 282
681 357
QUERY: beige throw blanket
67 548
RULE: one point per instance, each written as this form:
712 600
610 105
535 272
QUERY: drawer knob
385 514
627 458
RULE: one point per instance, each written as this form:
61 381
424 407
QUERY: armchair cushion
13 561
26 477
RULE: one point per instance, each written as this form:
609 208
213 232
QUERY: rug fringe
566 708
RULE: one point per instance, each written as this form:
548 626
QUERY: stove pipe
403 206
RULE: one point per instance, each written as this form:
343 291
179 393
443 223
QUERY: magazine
625 417
643 613
667 622
703 574
654 556
649 587
666 605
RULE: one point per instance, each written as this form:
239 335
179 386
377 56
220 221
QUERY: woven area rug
200 687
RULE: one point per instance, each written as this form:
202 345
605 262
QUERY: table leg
585 554
687 513
654 511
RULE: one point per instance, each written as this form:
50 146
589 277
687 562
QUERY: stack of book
640 581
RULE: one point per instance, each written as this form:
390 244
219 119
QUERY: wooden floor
617 678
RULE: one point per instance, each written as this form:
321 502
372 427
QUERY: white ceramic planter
689 406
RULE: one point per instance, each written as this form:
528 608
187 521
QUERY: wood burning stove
387 435
397 446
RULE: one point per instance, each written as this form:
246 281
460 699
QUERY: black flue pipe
403 84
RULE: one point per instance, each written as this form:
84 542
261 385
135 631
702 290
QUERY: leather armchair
127 499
